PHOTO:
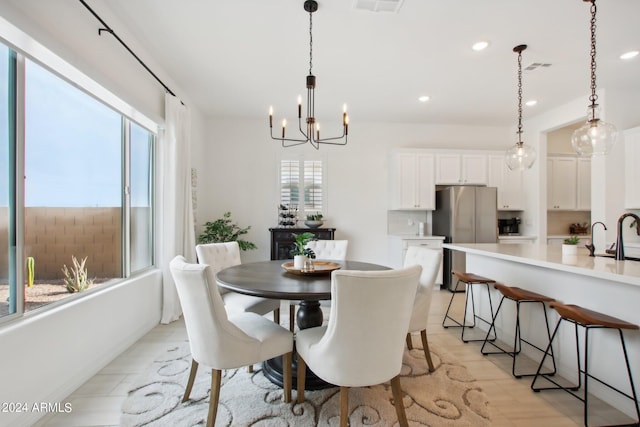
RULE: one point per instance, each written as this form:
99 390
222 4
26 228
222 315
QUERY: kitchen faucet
619 243
592 246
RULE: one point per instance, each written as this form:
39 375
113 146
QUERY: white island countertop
550 256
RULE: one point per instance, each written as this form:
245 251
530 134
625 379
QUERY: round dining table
270 279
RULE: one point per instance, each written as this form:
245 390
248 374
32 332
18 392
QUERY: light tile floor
512 402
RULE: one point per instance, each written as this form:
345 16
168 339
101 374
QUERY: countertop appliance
464 214
509 227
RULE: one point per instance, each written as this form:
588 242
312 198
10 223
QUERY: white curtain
178 232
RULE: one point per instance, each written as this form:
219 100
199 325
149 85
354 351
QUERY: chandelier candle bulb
317 130
299 106
284 125
271 117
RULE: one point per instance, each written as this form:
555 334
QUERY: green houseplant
570 245
299 252
225 230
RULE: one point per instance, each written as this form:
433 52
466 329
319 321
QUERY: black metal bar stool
518 296
589 320
469 279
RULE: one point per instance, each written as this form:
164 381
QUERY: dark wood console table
282 239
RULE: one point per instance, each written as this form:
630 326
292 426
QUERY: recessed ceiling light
531 102
480 45
629 55
424 98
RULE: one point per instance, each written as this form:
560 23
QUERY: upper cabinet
461 169
632 169
412 184
509 184
568 183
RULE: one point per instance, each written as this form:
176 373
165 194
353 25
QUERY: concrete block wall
54 234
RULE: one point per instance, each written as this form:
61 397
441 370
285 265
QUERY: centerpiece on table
300 253
314 220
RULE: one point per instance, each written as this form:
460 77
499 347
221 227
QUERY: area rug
447 397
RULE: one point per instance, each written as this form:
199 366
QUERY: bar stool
588 319
470 279
519 296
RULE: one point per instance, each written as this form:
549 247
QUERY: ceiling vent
536 65
378 5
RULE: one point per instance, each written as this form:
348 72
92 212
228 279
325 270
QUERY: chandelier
519 157
310 128
595 137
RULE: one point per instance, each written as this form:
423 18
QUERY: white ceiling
238 57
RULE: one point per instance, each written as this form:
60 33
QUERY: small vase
299 260
569 249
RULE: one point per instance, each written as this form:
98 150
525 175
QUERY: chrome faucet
619 243
592 246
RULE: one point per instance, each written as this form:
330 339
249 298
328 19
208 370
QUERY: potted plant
224 230
299 252
570 245
314 220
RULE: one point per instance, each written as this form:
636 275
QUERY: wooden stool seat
584 316
471 277
519 294
589 320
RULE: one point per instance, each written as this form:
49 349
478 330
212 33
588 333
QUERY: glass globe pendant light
520 157
595 137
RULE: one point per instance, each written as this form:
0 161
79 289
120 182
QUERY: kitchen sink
626 258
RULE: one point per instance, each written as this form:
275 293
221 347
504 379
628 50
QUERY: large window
302 185
87 188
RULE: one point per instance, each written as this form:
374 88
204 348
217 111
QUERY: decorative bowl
313 224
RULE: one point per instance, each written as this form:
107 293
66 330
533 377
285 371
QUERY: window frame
301 158
24 47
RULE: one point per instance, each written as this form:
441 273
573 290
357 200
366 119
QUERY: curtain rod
110 31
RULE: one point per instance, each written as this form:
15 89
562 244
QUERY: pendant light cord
310 43
594 97
520 97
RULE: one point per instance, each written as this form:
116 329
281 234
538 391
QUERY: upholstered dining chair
218 341
324 250
359 346
222 255
430 261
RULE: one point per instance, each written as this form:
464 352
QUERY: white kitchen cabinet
509 184
412 181
583 187
561 183
632 168
400 244
459 169
515 240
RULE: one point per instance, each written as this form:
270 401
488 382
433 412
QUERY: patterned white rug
446 397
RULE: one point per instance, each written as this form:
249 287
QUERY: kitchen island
597 283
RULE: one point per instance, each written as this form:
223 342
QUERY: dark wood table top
269 279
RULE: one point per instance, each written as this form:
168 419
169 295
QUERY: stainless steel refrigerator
464 214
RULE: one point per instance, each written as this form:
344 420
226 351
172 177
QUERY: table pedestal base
309 316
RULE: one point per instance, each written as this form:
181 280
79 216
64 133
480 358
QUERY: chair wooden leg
397 397
409 343
302 370
344 406
286 373
192 377
250 369
292 316
425 346
276 316
214 396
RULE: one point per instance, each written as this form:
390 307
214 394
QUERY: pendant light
310 128
520 157
595 137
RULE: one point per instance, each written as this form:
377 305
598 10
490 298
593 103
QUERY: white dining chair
361 345
430 261
218 341
222 255
324 250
